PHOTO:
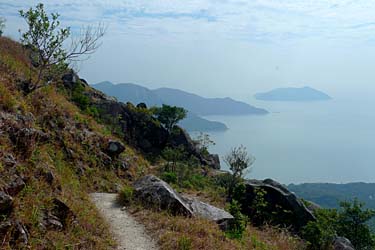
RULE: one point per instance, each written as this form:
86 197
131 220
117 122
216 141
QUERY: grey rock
70 79
341 243
62 213
15 186
50 221
152 191
279 200
21 234
6 202
49 177
209 212
5 226
9 160
115 148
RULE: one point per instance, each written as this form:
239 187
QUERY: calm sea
328 141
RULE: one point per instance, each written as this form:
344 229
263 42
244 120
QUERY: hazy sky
225 47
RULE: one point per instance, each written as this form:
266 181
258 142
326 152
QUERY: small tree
203 142
46 40
238 161
2 25
169 116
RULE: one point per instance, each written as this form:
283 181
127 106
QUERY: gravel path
129 234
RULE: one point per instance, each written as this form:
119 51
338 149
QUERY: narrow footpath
129 234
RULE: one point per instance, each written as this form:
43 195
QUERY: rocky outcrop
280 206
150 190
341 243
181 137
141 130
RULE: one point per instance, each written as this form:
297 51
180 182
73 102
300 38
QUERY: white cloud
264 20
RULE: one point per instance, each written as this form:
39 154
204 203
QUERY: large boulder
280 206
341 243
150 190
6 202
209 212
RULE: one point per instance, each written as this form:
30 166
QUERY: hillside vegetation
55 151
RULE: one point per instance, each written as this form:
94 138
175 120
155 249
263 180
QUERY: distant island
128 92
293 94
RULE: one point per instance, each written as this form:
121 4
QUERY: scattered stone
115 148
49 177
15 186
152 191
9 161
21 234
341 243
5 226
6 202
62 213
50 221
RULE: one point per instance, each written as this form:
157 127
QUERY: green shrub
184 243
349 221
238 226
79 97
125 196
169 177
321 232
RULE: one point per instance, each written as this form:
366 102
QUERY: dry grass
48 106
181 233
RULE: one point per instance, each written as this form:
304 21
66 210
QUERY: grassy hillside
54 152
56 149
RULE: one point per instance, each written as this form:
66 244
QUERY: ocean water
327 141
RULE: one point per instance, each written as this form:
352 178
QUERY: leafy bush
125 196
349 221
238 226
321 232
238 160
169 177
352 221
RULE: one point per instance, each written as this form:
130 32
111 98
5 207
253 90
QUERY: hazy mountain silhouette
206 106
128 92
293 94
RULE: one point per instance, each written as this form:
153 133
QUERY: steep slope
206 106
52 154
